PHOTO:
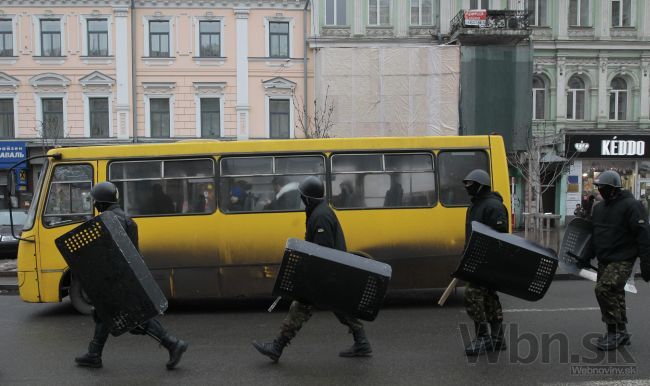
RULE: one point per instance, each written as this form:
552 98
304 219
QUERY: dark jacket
620 229
323 227
487 208
129 225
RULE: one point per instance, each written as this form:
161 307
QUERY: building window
621 13
421 12
579 13
279 39
159 117
50 37
479 4
336 12
210 38
210 118
279 118
98 117
618 100
538 10
97 37
159 39
379 12
6 38
539 98
575 100
52 125
6 118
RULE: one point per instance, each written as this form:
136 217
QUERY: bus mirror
12 183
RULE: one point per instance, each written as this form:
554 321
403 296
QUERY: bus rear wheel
79 299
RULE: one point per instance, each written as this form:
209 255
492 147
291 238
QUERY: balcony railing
489 19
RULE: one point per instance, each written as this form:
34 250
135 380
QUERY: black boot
361 346
498 341
176 348
616 336
93 358
482 343
273 349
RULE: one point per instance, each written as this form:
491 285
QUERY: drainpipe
304 58
134 97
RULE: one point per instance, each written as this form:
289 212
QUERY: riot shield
333 280
112 273
576 244
507 263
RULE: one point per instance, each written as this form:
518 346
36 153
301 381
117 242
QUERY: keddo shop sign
608 146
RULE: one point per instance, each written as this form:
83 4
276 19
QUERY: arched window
539 98
575 99
618 100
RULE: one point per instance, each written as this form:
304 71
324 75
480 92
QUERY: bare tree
50 132
541 166
318 125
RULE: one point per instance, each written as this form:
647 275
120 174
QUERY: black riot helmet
312 187
479 176
610 178
105 192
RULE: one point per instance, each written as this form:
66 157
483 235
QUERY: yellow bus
213 216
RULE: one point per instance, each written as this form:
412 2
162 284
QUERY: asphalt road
415 342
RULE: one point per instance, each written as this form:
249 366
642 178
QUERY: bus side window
266 183
453 166
68 199
382 180
164 187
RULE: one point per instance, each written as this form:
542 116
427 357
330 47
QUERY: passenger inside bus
160 202
395 193
286 195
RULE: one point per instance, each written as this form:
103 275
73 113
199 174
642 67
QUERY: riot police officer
323 228
105 195
482 303
620 235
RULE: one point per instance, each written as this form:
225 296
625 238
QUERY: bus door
173 201
67 204
261 208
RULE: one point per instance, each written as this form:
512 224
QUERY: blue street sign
12 152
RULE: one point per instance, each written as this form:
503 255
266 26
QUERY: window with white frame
579 13
98 117
336 12
618 100
575 99
210 117
539 98
209 38
159 38
6 118
159 117
6 37
379 12
278 39
421 12
50 37
52 117
538 10
279 118
97 30
621 13
479 4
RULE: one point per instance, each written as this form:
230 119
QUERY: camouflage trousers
299 313
482 304
610 291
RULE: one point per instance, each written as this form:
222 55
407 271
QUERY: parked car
8 243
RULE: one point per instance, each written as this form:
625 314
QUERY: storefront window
592 168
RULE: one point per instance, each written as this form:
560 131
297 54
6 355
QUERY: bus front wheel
79 299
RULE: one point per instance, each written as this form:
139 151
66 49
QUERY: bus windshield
31 214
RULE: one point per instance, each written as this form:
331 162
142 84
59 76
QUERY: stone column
123 39
644 114
561 88
603 97
358 26
446 14
242 108
562 14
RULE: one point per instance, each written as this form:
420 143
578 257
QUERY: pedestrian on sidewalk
105 195
322 228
